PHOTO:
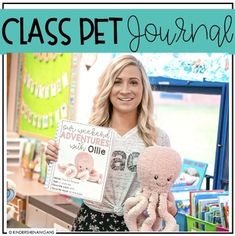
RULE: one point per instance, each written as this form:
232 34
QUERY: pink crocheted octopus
82 169
157 169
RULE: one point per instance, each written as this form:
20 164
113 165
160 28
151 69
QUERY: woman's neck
122 123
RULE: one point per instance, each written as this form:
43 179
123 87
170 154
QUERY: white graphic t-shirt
122 179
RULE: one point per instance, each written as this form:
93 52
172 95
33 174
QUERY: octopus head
84 161
158 168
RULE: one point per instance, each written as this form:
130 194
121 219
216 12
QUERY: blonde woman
123 102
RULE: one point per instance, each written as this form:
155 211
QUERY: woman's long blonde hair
102 107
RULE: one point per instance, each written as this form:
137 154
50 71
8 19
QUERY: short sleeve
162 138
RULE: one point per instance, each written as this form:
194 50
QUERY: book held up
83 159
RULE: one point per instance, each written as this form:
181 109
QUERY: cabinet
36 218
59 225
15 148
26 188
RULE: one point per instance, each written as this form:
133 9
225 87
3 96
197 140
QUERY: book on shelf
191 176
205 205
83 159
212 215
224 203
183 206
182 202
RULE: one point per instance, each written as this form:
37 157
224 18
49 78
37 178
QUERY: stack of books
211 206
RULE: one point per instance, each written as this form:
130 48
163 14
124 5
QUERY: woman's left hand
171 206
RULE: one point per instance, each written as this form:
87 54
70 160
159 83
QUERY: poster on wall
45 93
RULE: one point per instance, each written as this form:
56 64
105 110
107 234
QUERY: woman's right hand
51 151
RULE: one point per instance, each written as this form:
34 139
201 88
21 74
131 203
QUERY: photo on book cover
83 158
191 176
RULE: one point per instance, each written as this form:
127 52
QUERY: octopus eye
155 177
169 179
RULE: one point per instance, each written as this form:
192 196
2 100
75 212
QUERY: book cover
191 176
224 210
226 215
83 160
213 214
203 206
183 206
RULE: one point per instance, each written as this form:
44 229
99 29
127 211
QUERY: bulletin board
45 93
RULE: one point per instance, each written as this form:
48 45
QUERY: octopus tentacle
151 210
170 222
134 206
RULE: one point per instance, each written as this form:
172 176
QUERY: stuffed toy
11 193
157 169
82 169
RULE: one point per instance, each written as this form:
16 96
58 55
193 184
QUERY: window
195 116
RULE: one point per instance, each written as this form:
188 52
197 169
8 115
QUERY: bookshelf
15 148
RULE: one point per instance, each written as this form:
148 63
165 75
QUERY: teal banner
120 30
